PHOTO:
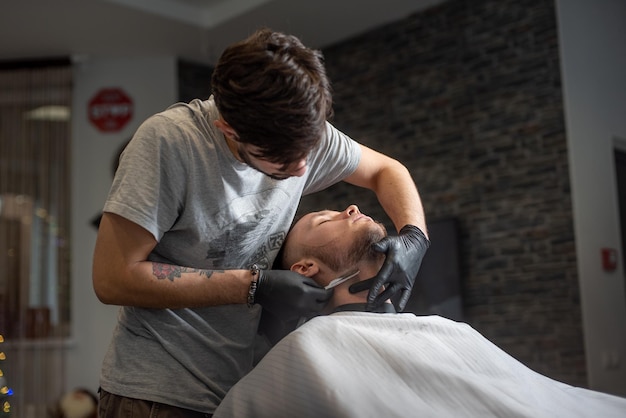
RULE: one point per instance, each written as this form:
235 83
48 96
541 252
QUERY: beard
344 259
361 249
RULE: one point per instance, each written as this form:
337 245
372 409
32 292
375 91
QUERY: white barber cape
357 364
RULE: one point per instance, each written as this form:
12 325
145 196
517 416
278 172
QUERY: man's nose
352 210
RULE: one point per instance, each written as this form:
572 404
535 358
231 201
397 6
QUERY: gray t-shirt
178 180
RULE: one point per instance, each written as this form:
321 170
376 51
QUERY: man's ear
226 129
306 267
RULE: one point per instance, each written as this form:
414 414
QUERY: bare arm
123 276
398 195
393 185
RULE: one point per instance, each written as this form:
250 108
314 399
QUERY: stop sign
110 109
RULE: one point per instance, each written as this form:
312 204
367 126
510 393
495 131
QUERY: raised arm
398 195
393 185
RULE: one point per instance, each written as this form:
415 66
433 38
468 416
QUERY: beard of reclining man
329 244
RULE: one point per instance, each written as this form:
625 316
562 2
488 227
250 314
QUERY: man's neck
233 147
341 293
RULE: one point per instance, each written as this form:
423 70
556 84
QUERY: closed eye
324 216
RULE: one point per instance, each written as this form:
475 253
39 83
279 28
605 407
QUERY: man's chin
362 248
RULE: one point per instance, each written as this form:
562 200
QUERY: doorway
620 174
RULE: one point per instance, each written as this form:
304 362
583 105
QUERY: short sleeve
149 185
336 157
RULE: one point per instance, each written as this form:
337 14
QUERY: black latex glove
289 295
404 257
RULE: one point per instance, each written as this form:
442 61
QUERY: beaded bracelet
254 270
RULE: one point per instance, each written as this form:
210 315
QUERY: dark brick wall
468 96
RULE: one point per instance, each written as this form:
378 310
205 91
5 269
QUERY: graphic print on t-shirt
246 241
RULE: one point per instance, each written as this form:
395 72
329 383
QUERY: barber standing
201 202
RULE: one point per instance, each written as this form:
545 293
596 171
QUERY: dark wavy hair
274 92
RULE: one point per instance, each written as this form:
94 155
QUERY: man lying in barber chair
352 363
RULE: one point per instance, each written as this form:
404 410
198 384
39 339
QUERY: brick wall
468 96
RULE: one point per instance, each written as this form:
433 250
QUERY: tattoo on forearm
170 272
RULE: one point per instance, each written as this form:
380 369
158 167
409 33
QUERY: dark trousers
115 406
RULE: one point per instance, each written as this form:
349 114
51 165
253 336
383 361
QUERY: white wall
593 61
151 83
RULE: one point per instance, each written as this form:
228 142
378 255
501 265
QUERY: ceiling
196 30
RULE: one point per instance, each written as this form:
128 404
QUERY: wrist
254 271
417 233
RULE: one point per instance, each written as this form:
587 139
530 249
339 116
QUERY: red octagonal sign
110 109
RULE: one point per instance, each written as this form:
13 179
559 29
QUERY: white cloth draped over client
357 364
